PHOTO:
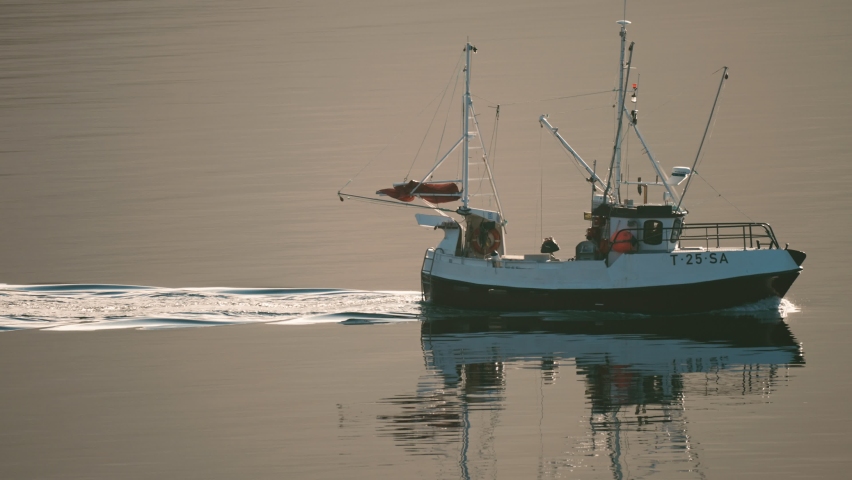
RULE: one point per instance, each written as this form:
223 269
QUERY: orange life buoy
624 242
486 243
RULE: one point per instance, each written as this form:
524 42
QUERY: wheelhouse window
678 223
653 232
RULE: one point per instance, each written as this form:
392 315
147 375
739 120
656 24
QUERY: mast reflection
636 375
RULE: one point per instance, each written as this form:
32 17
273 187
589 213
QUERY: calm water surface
419 391
195 145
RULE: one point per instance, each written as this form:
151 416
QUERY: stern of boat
426 274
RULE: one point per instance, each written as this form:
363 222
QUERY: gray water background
201 144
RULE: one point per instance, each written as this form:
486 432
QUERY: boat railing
712 235
745 234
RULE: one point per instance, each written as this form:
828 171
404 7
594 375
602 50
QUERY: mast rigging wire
670 98
711 122
493 144
540 185
392 203
447 118
428 129
397 136
544 99
718 194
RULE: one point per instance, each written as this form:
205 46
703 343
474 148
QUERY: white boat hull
682 281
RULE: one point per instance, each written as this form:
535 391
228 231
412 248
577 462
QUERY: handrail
752 236
712 232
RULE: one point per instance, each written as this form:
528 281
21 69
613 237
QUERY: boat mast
616 152
466 133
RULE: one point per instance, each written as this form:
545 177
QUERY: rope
447 118
483 98
672 98
363 168
443 95
484 156
708 133
540 185
627 161
542 99
722 196
444 91
493 146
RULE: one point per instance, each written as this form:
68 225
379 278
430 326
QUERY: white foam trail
100 307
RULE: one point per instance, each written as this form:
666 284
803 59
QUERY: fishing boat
643 258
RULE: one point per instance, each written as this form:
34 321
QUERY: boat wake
105 307
102 307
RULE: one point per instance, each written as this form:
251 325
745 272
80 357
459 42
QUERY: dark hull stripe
689 298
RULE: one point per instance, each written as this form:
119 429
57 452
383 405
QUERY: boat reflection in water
637 375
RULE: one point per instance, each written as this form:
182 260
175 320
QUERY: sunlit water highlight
100 307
